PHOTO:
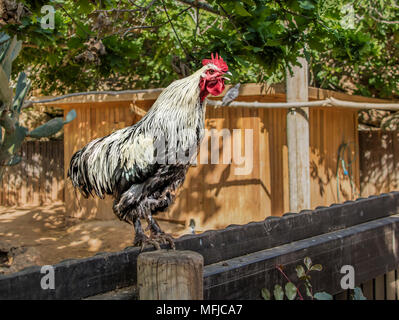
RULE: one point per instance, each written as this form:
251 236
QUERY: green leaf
4 37
308 262
323 296
53 126
278 292
316 267
85 6
273 42
74 43
265 294
249 2
306 4
358 294
240 10
12 49
21 90
300 271
290 291
48 129
5 90
12 142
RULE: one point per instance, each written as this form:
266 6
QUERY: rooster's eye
211 71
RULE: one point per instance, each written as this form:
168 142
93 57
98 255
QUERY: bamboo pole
328 103
78 94
170 275
363 105
271 105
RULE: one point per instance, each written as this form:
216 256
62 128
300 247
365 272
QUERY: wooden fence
38 178
241 260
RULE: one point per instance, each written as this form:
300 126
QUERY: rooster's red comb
217 61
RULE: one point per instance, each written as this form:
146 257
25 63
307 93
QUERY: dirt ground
40 235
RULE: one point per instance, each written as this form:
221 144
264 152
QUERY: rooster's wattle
143 165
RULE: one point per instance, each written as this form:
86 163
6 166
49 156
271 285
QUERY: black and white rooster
143 165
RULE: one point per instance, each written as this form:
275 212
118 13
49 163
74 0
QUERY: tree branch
143 8
117 10
127 30
200 5
384 21
74 21
174 30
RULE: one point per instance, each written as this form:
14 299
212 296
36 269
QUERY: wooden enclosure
239 261
213 194
38 178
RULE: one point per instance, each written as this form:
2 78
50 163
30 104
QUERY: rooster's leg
140 238
157 235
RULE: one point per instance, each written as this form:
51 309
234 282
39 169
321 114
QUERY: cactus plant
12 134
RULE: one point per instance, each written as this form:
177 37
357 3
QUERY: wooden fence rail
38 178
240 260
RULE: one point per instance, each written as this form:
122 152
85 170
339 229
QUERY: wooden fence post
170 275
298 138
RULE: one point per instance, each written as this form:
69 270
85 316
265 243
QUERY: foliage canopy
351 46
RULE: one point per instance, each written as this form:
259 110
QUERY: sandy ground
39 235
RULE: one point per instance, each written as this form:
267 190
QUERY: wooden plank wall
38 178
213 195
329 129
379 161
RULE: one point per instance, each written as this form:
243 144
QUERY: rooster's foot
141 240
162 238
